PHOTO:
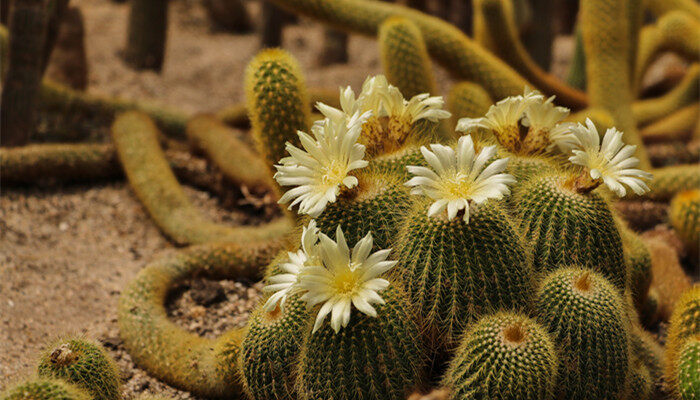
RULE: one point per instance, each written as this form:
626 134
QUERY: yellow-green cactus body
45 389
683 325
503 356
372 357
668 181
504 37
676 126
135 137
455 272
468 100
605 30
641 386
685 93
277 103
585 315
405 58
647 350
684 215
269 349
569 228
638 260
689 369
524 167
661 7
84 364
187 361
446 43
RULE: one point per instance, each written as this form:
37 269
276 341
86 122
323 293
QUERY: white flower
318 172
285 284
544 115
384 100
343 280
610 160
503 115
458 177
421 106
562 136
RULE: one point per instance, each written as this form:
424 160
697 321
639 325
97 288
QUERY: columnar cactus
503 356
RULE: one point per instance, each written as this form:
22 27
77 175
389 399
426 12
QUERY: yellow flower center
457 186
345 283
334 173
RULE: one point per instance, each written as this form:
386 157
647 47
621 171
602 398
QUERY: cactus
84 364
373 357
674 31
276 97
467 100
669 181
675 126
661 7
20 92
640 382
504 37
648 351
567 227
605 30
522 167
69 63
688 367
405 58
147 34
45 389
135 137
638 260
683 325
576 76
685 93
229 15
585 315
503 356
205 367
453 275
684 215
272 342
219 143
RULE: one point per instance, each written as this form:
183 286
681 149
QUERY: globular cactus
456 271
638 260
380 357
641 386
567 227
468 100
683 325
668 181
45 389
270 346
688 374
405 59
84 364
277 102
503 356
648 351
585 315
684 215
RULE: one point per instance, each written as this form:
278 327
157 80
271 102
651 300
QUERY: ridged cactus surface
380 357
684 215
45 389
84 364
683 325
503 356
456 272
689 369
584 314
569 228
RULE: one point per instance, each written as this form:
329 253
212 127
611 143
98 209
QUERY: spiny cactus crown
327 272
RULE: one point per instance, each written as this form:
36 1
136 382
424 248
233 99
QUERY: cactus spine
405 58
271 345
467 99
503 356
84 364
585 315
455 272
45 389
567 227
684 215
668 181
683 325
689 369
277 101
373 357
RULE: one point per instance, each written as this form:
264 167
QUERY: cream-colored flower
318 171
610 161
502 116
544 115
369 100
458 177
284 284
420 106
343 280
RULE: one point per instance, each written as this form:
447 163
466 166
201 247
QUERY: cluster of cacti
482 253
70 369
